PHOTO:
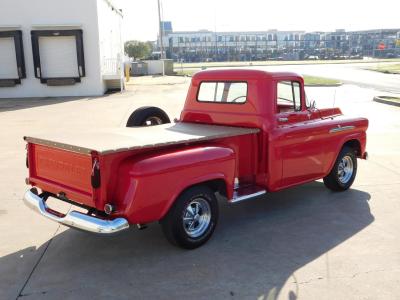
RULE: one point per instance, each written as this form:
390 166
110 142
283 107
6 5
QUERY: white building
59 48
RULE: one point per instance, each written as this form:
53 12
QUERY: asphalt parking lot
301 243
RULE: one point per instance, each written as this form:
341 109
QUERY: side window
288 96
223 92
296 95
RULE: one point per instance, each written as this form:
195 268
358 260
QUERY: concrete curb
386 101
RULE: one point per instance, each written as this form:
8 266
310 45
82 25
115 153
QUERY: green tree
138 49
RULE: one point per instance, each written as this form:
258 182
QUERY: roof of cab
243 74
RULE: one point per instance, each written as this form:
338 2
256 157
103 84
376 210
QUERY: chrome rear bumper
75 219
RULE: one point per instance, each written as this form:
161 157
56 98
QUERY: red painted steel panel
56 170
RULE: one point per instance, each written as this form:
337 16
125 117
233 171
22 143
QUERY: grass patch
185 72
233 64
308 80
388 69
320 81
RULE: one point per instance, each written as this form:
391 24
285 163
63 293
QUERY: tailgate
60 171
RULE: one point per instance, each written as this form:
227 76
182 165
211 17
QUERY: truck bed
104 141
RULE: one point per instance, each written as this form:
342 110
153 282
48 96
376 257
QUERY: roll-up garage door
58 56
8 62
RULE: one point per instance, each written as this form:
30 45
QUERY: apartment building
205 45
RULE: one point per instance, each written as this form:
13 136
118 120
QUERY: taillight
95 178
26 159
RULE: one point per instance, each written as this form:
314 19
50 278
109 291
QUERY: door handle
283 119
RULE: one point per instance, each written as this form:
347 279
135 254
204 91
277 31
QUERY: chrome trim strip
340 128
247 197
75 219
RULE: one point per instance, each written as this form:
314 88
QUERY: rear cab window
288 96
223 92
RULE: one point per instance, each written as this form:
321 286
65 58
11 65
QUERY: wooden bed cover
104 141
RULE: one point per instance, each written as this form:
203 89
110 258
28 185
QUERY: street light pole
160 30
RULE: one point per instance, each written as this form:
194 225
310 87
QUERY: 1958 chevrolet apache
241 134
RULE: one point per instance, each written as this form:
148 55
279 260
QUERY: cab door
298 136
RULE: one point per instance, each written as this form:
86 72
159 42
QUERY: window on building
289 95
223 92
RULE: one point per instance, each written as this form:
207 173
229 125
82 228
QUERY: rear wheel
343 172
147 116
192 219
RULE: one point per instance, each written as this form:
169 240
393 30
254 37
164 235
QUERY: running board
247 193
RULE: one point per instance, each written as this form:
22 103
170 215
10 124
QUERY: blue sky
141 15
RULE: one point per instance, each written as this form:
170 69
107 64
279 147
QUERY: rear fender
149 185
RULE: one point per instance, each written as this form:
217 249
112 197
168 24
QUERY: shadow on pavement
13 104
256 248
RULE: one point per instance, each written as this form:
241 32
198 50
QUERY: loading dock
12 63
58 56
69 48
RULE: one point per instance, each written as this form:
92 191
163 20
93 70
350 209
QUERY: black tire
176 228
337 180
147 116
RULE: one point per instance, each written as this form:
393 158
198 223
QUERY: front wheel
343 172
192 219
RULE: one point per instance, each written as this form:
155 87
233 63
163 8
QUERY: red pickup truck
241 134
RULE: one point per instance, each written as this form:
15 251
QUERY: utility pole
161 31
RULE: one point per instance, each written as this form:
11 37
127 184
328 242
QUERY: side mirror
313 104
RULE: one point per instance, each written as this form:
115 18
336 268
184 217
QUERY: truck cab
297 142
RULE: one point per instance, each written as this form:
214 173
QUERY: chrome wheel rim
196 217
151 121
345 169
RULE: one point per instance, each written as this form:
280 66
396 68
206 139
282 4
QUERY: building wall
110 38
55 14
